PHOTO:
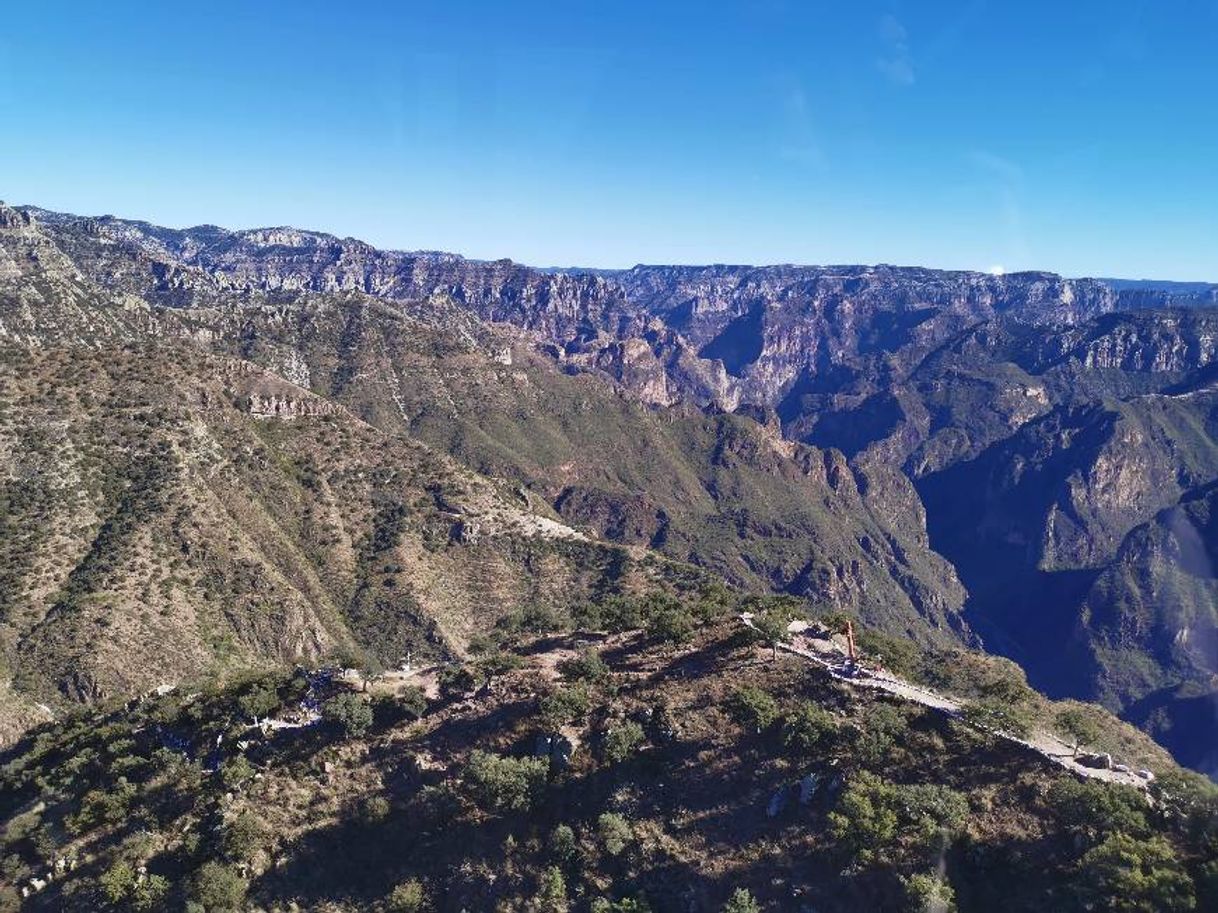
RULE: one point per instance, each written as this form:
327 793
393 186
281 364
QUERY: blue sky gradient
1080 137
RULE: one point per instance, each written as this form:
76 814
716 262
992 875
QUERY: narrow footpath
827 654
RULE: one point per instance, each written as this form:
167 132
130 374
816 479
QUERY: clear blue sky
1077 136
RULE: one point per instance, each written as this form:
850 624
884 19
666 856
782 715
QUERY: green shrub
481 644
873 813
456 681
407 897
587 666
809 729
562 845
753 707
551 896
620 613
243 836
587 616
413 701
373 809
117 882
236 771
877 733
928 894
997 715
615 833
217 888
565 706
671 624
636 904
865 819
149 893
714 602
622 740
504 784
931 812
349 713
1093 810
1125 874
259 700
102 807
896 654
437 804
534 619
499 663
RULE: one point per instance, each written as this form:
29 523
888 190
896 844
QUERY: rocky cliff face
1159 599
722 335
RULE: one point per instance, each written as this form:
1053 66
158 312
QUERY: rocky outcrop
722 335
270 405
14 218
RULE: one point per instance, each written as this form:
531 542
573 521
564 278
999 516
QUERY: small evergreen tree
615 833
407 897
562 845
551 896
741 901
622 740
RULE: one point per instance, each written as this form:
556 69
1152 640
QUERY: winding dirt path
831 657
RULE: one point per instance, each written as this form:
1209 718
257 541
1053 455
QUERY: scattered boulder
1098 761
778 801
807 788
557 748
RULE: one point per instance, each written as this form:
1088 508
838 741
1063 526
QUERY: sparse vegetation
417 803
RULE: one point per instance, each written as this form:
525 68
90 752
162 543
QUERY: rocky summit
406 537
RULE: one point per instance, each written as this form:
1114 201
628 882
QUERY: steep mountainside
1152 615
674 768
166 512
1031 422
717 491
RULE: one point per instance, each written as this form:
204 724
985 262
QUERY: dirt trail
827 654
